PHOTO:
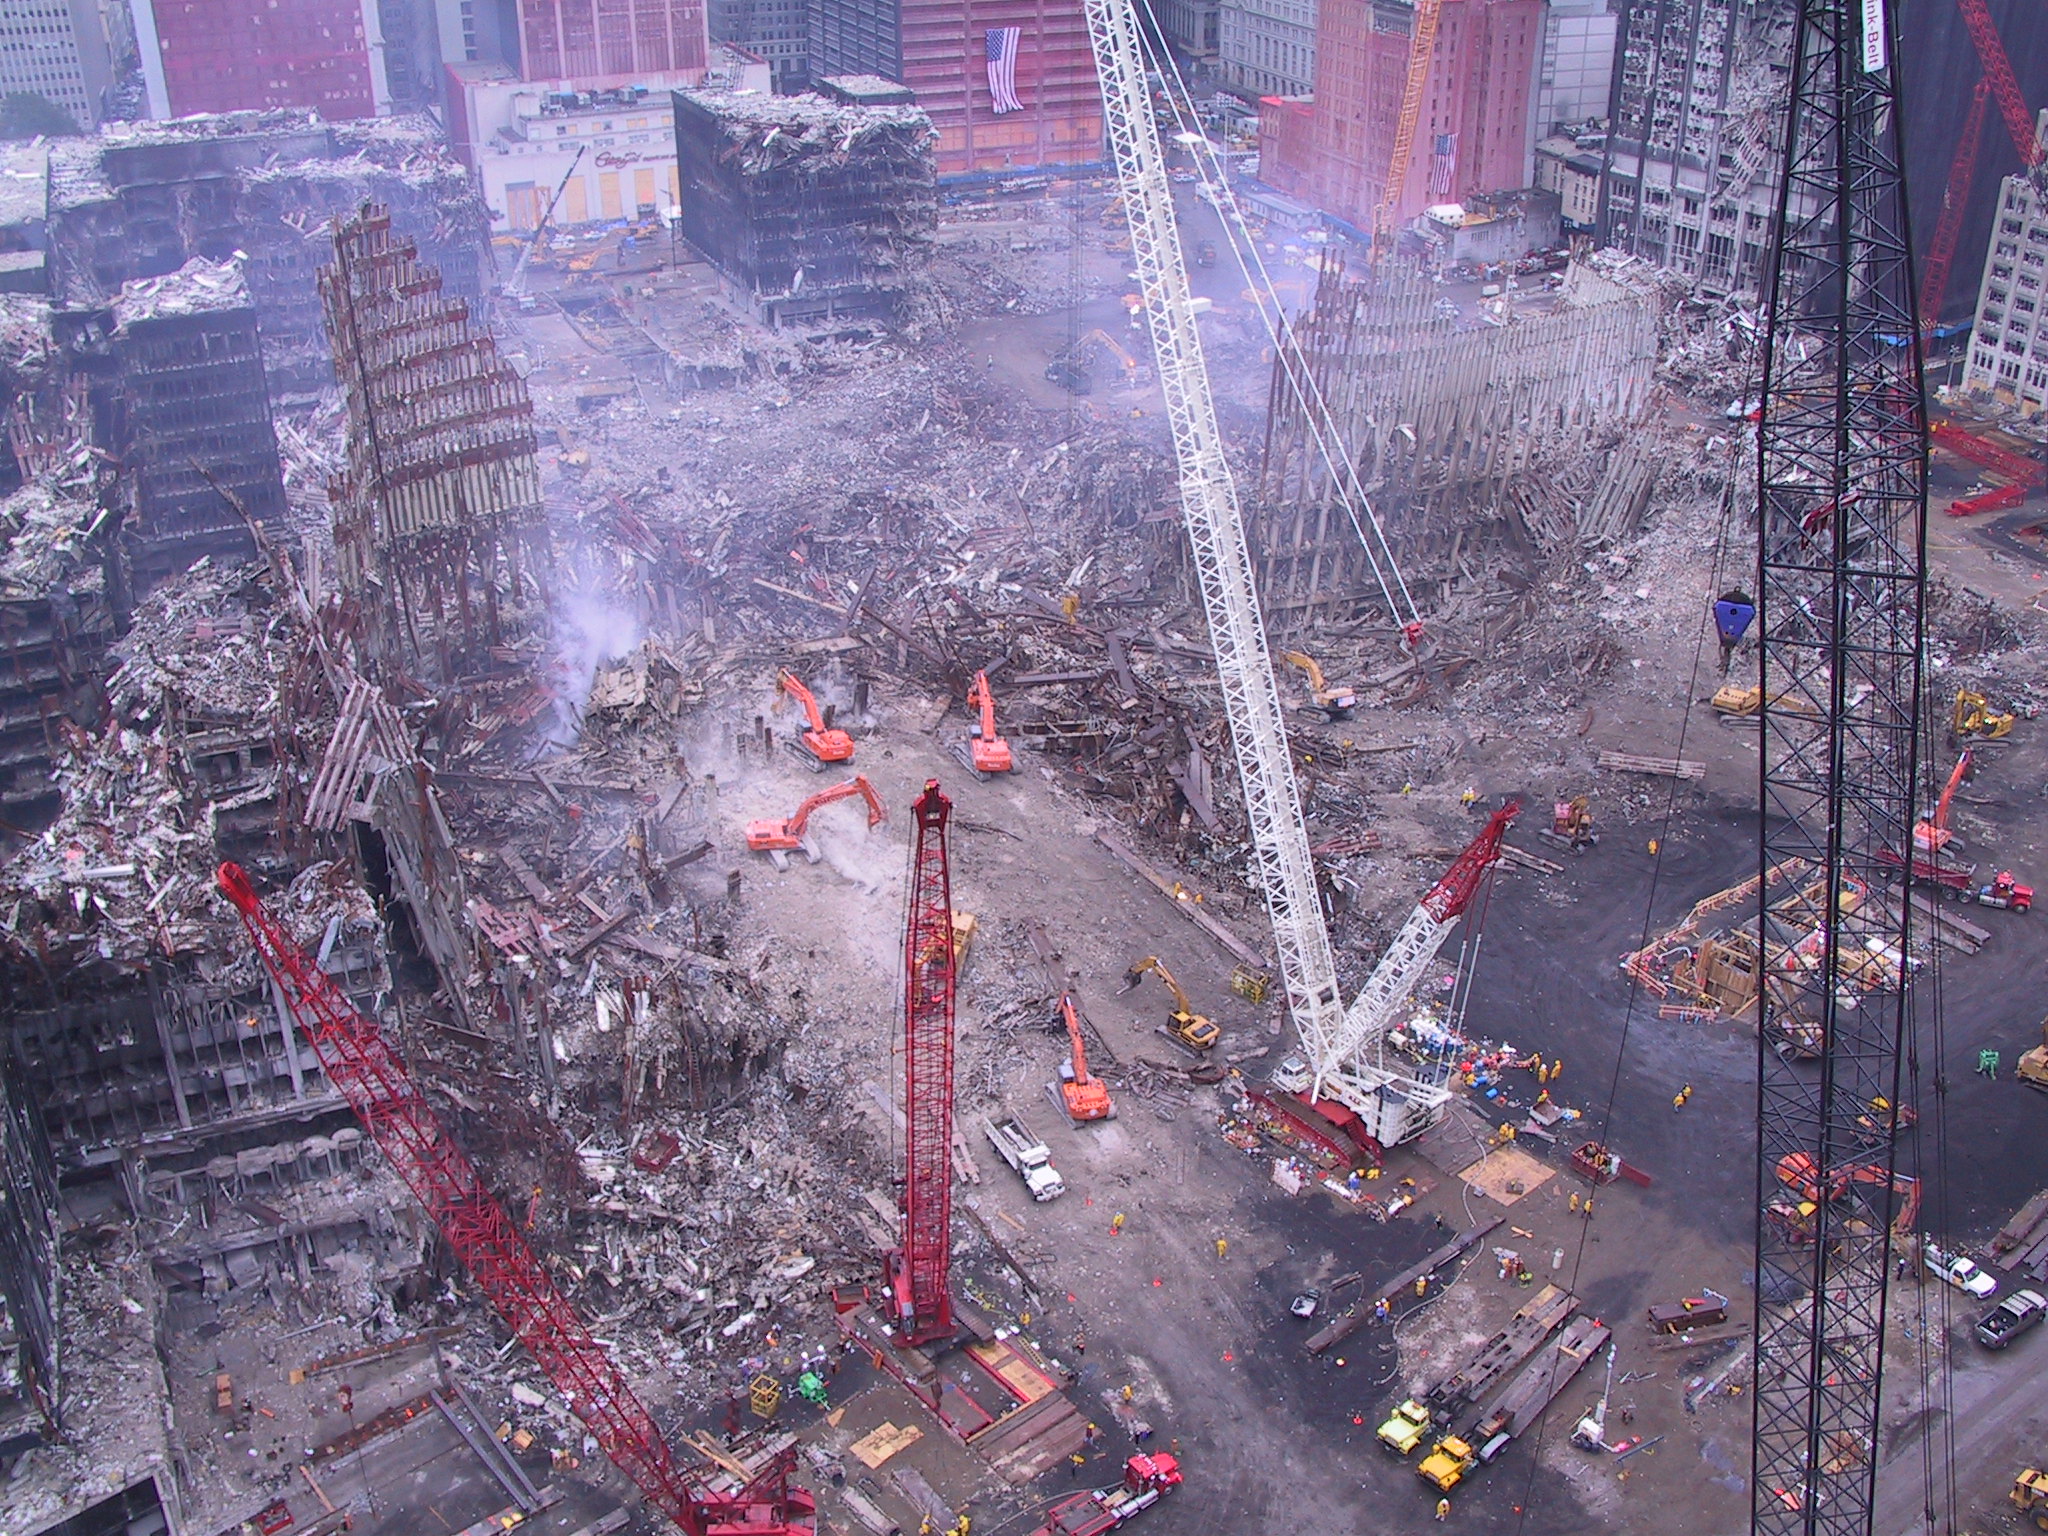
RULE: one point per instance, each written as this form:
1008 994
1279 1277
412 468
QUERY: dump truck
1027 1154
2030 1496
1447 1464
1406 1427
1147 1480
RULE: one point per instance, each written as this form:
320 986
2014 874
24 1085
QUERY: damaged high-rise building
438 531
815 212
1696 137
144 198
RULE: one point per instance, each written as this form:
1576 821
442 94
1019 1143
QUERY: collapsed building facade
1510 437
814 211
142 199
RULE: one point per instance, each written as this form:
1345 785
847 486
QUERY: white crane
1345 1058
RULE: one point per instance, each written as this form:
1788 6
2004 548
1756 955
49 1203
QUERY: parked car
1305 1304
2011 1318
1960 1272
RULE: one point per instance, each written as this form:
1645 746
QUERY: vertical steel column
1842 512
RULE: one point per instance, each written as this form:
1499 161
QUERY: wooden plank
1521 858
1184 905
1666 767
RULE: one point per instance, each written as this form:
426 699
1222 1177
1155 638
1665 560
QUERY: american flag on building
1002 67
1443 165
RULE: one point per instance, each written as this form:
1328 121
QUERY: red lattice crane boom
920 1288
363 1067
1962 174
2005 86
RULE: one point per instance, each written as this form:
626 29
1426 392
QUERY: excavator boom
1933 834
825 744
987 752
1084 1097
772 836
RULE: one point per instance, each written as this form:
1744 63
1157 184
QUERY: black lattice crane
1842 514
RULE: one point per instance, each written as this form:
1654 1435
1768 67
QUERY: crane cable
1320 419
1606 1122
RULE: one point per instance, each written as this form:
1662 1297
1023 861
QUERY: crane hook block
1733 614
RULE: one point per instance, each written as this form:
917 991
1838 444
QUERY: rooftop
24 183
198 287
743 111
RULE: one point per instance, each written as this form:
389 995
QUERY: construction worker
1128 1392
1575 1202
1556 1070
1987 1063
1421 1285
1381 1311
1075 1463
1443 1509
1116 1225
1222 1247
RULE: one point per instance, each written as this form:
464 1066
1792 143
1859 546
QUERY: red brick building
1477 108
606 41
939 48
228 55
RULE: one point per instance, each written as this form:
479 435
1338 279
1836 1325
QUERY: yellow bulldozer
2030 1496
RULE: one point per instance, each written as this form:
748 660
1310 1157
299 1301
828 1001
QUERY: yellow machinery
1973 716
1732 701
2030 1496
1421 44
1183 1024
1335 701
1406 1427
1447 1465
2033 1064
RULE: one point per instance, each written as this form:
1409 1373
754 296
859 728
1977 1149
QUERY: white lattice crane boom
1392 1106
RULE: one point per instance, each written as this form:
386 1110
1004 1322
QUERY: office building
941 49
1267 47
238 55
2008 355
776 30
56 49
607 42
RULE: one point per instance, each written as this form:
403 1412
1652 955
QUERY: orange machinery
825 744
781 836
1933 835
987 751
1083 1097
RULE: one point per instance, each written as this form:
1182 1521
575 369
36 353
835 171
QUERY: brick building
234 55
939 48
1476 129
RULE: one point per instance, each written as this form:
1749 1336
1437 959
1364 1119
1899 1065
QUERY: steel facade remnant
362 1064
1842 513
920 1271
438 517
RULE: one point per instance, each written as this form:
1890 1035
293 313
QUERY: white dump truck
1027 1154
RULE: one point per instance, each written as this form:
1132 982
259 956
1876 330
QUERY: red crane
920 1288
1998 81
361 1064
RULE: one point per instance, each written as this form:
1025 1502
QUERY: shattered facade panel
191 420
816 211
438 516
1697 137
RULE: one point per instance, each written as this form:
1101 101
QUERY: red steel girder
920 1285
2015 467
1994 500
363 1067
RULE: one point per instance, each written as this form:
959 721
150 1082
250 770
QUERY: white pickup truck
1027 1154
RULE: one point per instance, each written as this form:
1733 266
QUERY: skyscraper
1267 46
1474 132
228 55
56 49
1696 136
952 53
595 40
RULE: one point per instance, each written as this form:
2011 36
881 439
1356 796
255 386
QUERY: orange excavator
775 838
1933 835
987 752
1083 1097
1796 1173
825 744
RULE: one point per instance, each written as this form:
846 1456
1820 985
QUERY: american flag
1002 67
1443 165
